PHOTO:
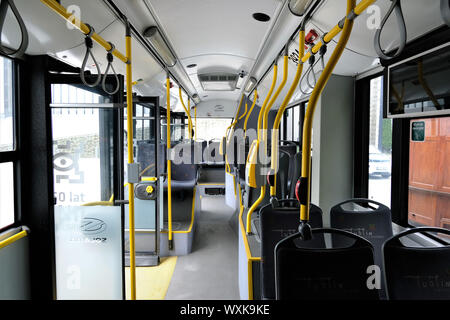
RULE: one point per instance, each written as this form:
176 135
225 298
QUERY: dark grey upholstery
276 224
373 224
146 157
417 273
184 175
306 273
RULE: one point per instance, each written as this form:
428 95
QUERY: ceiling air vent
218 81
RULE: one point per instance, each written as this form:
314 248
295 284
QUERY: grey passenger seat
417 273
366 218
184 175
276 224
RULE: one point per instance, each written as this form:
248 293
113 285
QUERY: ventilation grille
218 81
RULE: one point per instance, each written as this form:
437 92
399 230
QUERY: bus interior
225 150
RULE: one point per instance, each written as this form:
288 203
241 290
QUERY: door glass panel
88 246
380 146
88 228
429 172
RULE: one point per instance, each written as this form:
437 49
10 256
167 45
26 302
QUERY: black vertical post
38 178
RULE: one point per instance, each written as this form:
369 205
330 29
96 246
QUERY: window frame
301 119
400 152
14 155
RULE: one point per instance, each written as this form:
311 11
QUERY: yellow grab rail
262 113
195 121
250 111
187 112
70 17
276 124
230 127
14 238
169 167
308 122
363 5
275 97
269 106
130 161
261 118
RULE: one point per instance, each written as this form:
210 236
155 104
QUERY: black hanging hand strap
24 42
110 58
89 44
395 6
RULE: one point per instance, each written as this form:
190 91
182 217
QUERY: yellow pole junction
169 166
70 17
276 124
187 112
363 5
308 122
250 111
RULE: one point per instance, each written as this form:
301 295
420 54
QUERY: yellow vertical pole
309 116
195 117
187 112
250 111
169 166
130 160
190 119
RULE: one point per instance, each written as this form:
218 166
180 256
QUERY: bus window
289 122
6 106
211 128
429 172
7 143
6 194
380 146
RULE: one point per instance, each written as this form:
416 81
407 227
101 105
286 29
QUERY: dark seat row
361 237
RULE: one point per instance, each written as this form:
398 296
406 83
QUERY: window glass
82 148
211 128
6 106
380 146
296 133
289 116
429 172
6 194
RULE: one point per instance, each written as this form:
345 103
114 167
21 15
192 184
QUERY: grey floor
211 270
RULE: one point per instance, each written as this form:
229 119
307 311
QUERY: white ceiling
216 35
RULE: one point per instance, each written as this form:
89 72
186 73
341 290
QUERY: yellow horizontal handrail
68 16
363 5
13 238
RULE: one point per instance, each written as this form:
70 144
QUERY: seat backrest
368 219
276 224
146 157
308 273
417 273
185 171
